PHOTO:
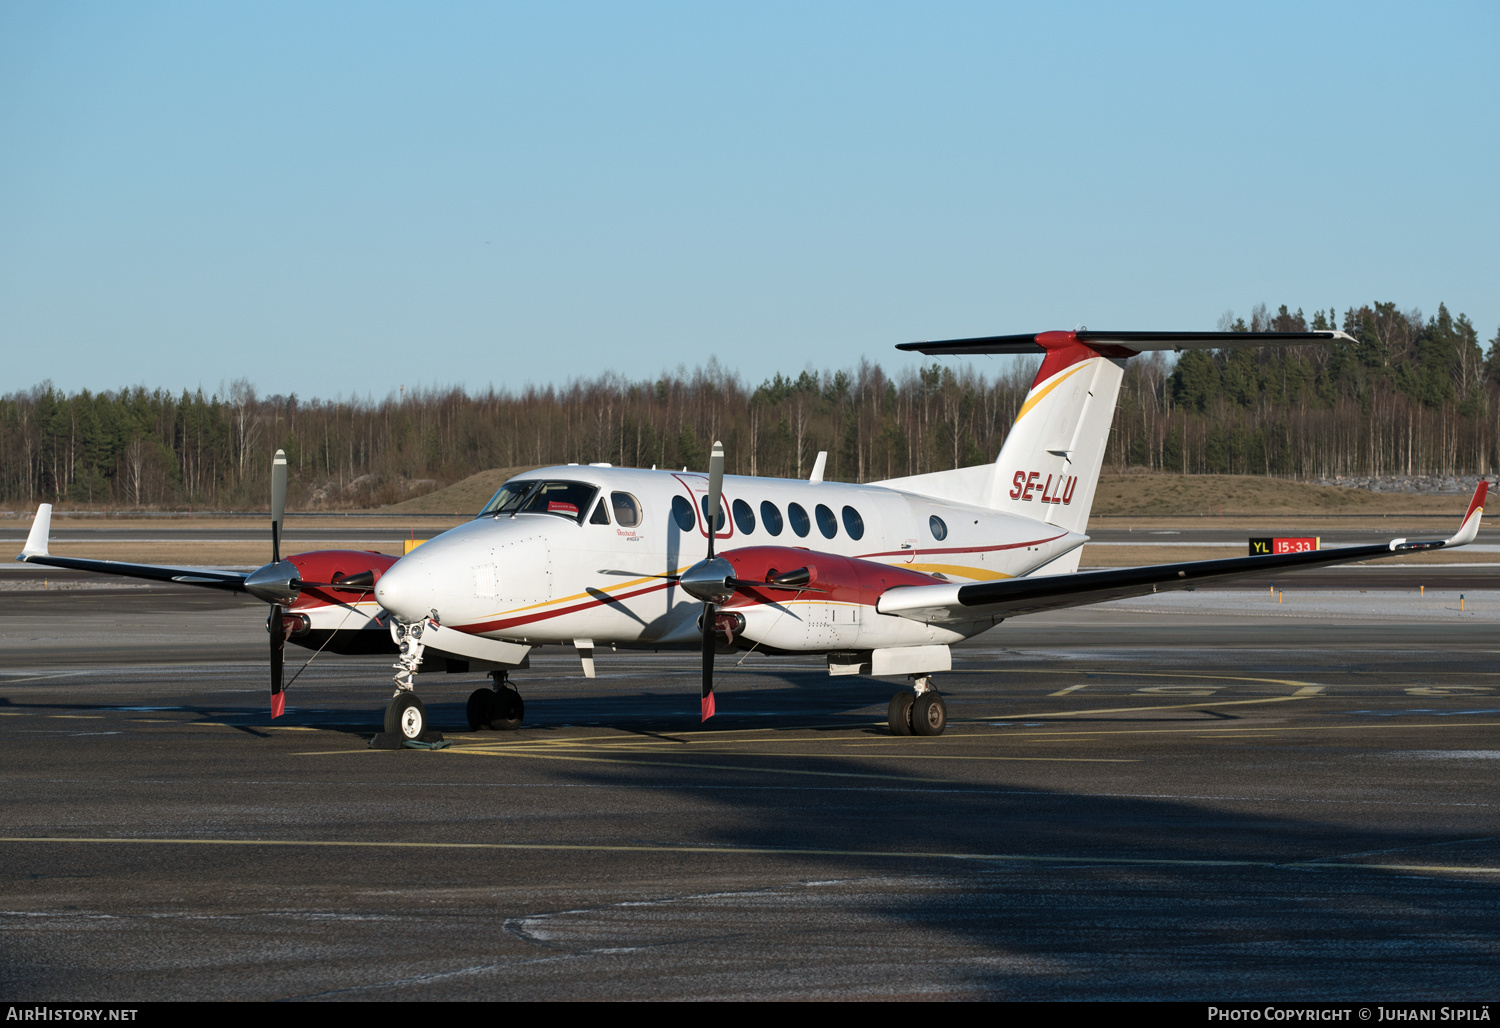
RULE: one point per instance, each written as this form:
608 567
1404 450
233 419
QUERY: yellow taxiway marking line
1071 688
1074 673
686 764
772 851
1226 731
1126 710
503 751
79 717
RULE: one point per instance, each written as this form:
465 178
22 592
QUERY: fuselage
574 559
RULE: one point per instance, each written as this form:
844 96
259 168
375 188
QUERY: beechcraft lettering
879 578
1026 482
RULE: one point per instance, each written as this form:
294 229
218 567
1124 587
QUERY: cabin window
939 528
853 523
627 509
722 516
770 516
600 515
798 517
682 513
827 523
744 517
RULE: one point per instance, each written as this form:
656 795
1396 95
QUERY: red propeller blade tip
278 704
708 706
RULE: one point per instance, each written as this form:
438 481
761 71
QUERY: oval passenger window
682 513
853 523
744 517
627 509
798 517
722 518
827 523
939 529
770 517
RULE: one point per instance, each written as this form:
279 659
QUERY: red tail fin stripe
1479 497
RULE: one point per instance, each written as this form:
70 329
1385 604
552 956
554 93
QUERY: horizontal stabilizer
1120 344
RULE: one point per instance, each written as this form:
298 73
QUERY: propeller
274 626
715 490
713 580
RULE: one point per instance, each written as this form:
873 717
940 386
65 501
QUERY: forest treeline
1410 395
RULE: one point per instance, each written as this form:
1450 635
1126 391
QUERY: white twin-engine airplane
880 577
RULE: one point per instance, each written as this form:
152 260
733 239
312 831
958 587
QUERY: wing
36 553
1010 597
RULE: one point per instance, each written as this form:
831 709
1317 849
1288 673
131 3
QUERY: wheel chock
395 741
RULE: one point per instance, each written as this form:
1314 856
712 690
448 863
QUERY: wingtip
39 536
1469 528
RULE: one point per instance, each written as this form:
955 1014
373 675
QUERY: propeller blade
708 661
277 632
715 492
636 574
278 503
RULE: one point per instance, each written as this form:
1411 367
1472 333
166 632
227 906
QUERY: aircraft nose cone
404 590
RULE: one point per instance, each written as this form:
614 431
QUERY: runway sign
1284 544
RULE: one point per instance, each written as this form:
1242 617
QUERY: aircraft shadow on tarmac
1089 896
963 871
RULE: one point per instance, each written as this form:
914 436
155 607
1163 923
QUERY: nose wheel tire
929 714
898 715
406 717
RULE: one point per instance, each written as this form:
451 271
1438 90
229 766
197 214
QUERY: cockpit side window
509 498
627 509
564 499
600 515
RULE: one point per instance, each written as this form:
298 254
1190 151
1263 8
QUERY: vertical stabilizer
1048 468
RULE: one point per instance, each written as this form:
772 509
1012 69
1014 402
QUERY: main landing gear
500 708
920 712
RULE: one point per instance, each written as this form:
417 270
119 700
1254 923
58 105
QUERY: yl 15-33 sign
1284 544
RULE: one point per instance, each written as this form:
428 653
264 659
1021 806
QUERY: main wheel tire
929 714
406 717
898 714
507 710
480 709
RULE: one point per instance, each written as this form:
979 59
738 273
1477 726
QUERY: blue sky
338 198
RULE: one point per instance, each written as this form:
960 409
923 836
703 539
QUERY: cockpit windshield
537 496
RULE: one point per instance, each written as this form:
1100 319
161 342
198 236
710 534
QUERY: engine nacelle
836 611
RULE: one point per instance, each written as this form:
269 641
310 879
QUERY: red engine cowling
837 579
334 566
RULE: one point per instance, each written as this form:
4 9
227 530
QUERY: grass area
1168 496
465 497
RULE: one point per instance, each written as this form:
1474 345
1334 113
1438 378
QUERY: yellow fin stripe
1039 395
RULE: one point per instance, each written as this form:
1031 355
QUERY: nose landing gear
405 716
921 712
